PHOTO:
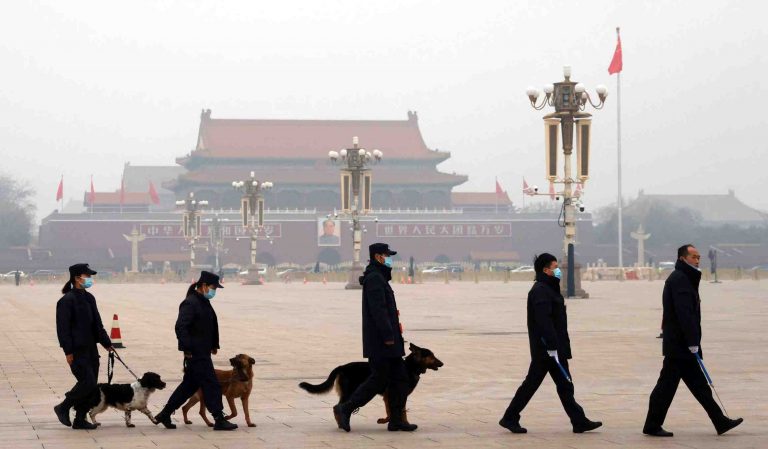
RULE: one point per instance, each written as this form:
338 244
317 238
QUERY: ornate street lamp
355 196
569 99
191 223
252 209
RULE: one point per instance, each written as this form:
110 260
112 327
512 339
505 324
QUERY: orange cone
117 340
305 279
261 279
324 280
162 281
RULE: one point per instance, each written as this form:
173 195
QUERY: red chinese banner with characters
448 230
228 231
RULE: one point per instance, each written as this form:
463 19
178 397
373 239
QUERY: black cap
80 268
380 248
209 278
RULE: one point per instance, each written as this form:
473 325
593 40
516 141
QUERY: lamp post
217 238
569 99
355 197
191 222
252 210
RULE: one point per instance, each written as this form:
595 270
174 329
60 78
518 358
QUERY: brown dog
235 383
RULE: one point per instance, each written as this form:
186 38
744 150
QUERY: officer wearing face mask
382 344
79 328
197 330
550 349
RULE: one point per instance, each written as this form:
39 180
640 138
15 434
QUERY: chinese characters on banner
229 231
452 230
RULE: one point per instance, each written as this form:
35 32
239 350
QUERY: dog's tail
323 387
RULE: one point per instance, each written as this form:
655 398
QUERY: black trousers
198 373
672 371
536 374
84 395
387 375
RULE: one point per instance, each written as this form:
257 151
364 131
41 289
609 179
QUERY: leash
111 366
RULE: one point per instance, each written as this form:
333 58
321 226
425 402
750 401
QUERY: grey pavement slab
302 331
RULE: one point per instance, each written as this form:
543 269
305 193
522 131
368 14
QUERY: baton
562 370
709 381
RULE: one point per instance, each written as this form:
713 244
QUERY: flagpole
620 200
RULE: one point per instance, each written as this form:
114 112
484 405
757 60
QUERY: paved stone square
301 331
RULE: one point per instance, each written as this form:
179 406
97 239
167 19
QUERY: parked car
12 274
523 269
290 272
260 270
48 274
763 267
435 270
666 266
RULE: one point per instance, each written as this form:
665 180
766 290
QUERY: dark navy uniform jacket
78 323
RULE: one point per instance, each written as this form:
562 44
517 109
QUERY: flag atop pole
617 65
499 192
60 190
153 194
122 193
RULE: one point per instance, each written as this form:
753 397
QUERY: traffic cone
305 279
324 280
261 279
117 341
162 281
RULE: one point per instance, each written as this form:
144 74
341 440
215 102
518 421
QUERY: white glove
553 354
693 349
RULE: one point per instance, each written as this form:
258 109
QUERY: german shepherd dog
235 383
348 377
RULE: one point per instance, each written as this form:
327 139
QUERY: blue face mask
87 283
557 273
388 261
210 294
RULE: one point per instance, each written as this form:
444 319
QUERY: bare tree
16 212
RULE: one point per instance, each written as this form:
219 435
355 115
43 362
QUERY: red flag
122 191
552 190
616 62
578 191
499 190
153 194
92 195
60 190
526 188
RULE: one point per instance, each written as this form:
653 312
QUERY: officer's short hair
683 250
543 261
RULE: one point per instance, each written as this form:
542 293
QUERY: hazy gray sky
87 86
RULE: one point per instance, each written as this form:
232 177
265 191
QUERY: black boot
81 423
586 426
223 424
401 426
342 416
728 425
513 427
62 412
164 418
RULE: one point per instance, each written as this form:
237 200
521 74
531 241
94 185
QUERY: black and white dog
128 397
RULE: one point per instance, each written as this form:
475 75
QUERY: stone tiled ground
300 332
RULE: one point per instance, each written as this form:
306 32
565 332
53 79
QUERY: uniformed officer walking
681 342
383 344
197 330
79 328
550 349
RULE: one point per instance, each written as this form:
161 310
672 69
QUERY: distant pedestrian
79 328
17 277
550 349
681 343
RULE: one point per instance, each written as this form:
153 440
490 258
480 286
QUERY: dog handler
197 330
383 344
79 328
550 349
